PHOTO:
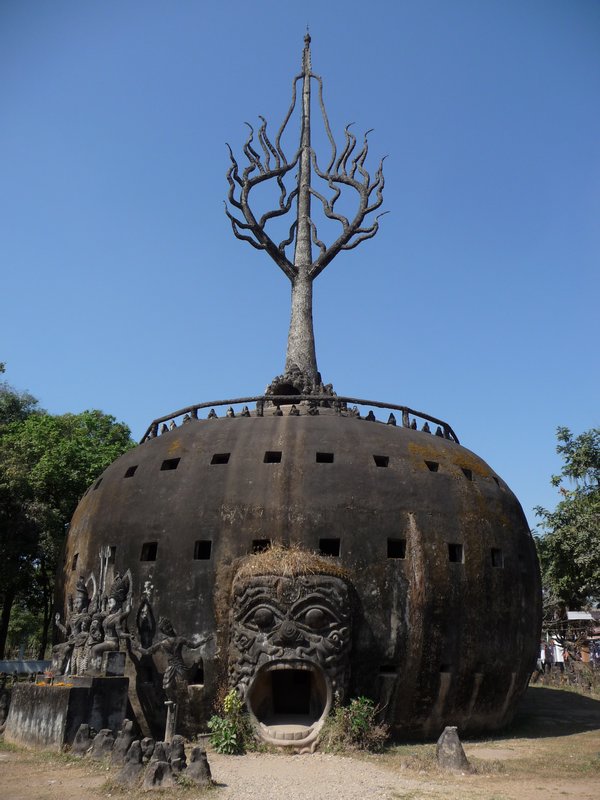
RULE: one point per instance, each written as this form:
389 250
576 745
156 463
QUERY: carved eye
316 618
263 617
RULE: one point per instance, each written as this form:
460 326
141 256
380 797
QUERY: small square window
202 549
381 461
170 463
149 550
272 457
329 547
130 472
432 466
467 473
220 458
324 458
396 548
455 553
74 562
497 557
260 545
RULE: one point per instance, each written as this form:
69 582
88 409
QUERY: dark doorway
291 691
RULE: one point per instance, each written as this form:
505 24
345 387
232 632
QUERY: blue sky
124 289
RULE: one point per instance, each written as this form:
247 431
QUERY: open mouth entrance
289 701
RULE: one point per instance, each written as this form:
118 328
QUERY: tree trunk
301 338
47 618
9 599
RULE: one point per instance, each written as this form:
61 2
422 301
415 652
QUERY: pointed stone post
171 720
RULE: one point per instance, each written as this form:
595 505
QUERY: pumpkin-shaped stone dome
440 577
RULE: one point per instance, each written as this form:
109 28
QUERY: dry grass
290 562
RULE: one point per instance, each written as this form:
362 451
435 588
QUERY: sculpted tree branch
346 170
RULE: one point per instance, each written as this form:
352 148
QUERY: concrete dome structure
432 542
304 550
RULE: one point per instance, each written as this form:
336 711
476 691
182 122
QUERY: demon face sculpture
289 652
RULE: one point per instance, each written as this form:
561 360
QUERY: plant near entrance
354 727
230 731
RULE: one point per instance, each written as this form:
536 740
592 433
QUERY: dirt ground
551 752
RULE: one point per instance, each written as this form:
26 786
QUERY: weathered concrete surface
44 716
49 716
423 645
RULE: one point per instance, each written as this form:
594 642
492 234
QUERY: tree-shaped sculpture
344 170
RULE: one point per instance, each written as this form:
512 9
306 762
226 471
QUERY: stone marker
83 740
147 745
161 752
102 745
450 753
158 775
132 766
122 743
177 755
198 769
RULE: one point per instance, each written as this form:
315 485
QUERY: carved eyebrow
250 605
317 601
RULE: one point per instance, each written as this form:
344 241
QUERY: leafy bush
354 727
230 731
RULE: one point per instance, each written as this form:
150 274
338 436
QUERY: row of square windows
274 457
396 549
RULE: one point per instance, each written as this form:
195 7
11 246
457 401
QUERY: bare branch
290 238
326 121
269 162
367 233
315 239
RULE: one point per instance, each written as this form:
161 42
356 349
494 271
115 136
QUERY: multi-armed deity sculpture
346 169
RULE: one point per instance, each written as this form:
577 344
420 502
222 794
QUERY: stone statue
172 645
80 640
118 607
93 638
76 620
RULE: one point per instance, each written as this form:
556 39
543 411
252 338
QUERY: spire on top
345 173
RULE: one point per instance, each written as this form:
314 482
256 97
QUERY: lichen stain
174 447
420 453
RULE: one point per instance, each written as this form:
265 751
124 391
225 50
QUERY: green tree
569 540
46 463
18 537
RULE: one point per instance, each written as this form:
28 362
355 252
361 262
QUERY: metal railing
338 403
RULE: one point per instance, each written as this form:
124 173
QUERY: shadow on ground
553 712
